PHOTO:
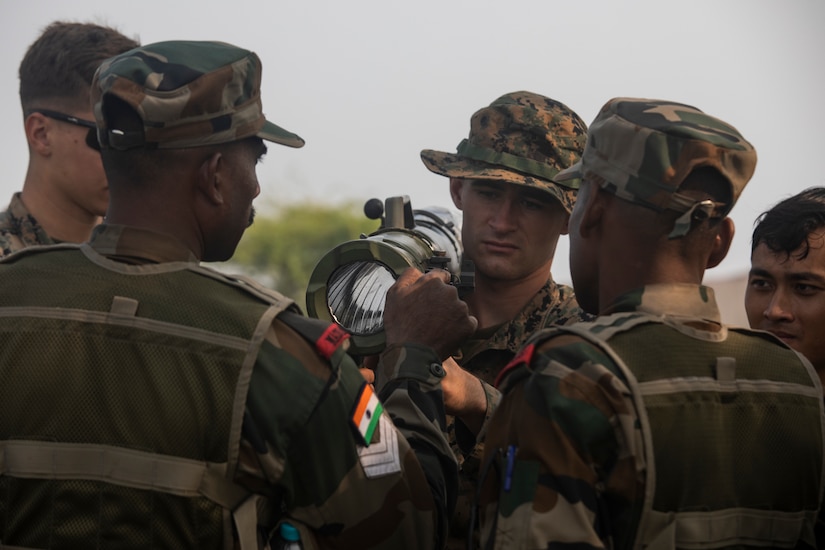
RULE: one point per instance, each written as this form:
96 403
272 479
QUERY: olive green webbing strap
718 528
638 403
120 466
245 514
117 317
726 528
679 385
129 468
248 284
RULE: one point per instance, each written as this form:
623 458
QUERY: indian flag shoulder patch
366 413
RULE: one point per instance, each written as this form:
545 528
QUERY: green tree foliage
281 249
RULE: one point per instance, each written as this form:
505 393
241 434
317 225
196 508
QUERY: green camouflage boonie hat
522 138
188 94
643 149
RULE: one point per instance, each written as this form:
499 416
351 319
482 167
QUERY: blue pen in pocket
508 472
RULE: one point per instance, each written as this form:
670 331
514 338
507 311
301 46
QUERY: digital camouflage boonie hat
522 138
187 94
643 149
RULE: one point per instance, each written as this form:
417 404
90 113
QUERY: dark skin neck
176 204
632 249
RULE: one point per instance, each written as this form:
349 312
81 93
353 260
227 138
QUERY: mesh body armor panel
727 426
122 393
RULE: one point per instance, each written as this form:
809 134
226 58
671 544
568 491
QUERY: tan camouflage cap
643 149
187 94
522 138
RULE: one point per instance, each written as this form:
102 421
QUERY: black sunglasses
57 115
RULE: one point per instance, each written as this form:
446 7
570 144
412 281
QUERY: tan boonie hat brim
453 166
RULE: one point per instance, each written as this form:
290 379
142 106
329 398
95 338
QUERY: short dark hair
787 225
60 64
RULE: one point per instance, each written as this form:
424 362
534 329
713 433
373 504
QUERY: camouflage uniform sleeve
471 444
562 454
408 379
301 449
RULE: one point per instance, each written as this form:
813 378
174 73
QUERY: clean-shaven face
786 296
78 177
509 231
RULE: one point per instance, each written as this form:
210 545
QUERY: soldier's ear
37 129
456 186
721 243
592 204
211 180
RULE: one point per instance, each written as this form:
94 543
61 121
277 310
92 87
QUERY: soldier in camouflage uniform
148 401
654 426
65 192
513 215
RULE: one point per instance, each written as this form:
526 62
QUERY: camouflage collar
672 300
18 221
552 304
140 246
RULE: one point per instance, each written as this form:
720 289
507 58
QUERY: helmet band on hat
521 164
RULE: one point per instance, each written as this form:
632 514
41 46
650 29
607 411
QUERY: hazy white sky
369 83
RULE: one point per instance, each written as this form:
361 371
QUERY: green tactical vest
727 429
83 460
